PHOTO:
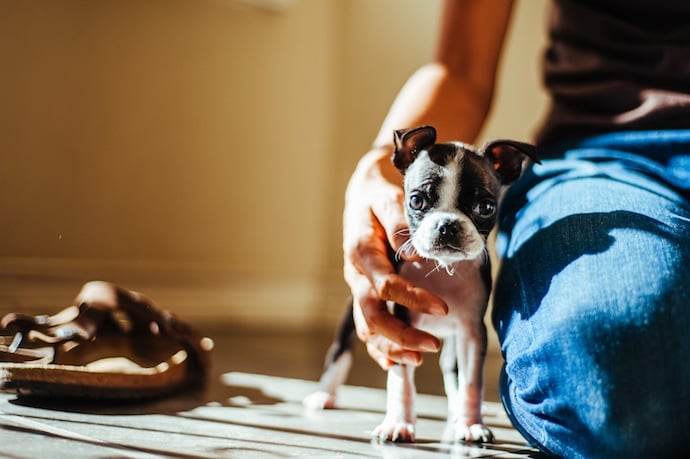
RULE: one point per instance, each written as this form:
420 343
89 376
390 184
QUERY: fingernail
410 359
429 345
438 310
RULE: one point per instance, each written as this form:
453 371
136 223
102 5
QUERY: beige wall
197 150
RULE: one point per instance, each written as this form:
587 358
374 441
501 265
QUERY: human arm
452 93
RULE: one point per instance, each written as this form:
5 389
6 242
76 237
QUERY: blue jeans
592 301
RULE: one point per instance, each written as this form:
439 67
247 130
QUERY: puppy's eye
417 201
484 208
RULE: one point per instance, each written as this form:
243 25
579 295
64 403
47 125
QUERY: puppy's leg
337 365
449 368
399 423
471 351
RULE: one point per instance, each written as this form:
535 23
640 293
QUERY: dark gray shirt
615 65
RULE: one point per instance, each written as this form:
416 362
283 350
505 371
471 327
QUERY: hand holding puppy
375 225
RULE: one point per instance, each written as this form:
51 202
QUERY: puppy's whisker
433 270
399 252
438 266
403 232
406 248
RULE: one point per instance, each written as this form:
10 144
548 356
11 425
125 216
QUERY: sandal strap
74 323
145 316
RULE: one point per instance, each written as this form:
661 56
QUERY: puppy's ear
506 158
409 142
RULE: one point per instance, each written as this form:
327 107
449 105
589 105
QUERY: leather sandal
112 344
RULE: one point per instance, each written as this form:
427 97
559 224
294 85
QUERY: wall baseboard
198 293
206 295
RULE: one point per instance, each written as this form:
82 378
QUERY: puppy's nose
448 228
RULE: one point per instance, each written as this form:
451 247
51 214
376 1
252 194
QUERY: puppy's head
452 190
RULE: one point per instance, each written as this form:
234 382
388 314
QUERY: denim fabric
592 301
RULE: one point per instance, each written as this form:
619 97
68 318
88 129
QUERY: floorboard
251 407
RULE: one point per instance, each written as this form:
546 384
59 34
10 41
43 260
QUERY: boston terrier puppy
451 197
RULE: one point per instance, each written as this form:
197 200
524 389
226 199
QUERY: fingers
366 251
384 351
388 339
374 222
380 321
386 355
392 287
370 258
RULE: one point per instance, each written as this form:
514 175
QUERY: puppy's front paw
476 433
396 431
320 400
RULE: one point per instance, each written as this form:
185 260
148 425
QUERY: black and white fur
451 194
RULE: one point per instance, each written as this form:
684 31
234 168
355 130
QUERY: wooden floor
250 408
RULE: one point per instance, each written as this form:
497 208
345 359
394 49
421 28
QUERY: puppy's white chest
463 290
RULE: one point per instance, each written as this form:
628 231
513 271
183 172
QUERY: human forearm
454 92
433 95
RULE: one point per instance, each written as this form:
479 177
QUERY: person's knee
596 354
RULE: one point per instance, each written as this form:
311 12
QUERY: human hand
374 222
